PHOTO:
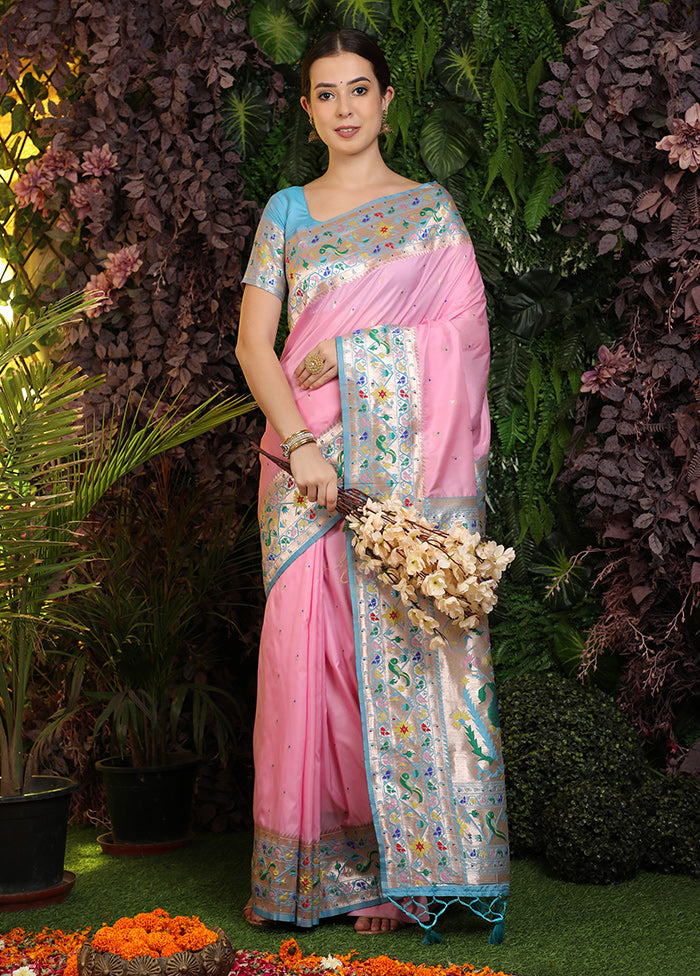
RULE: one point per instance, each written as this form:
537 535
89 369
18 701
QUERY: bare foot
366 925
251 917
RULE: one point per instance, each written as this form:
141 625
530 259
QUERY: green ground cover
644 927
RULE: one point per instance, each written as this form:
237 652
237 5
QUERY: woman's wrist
298 439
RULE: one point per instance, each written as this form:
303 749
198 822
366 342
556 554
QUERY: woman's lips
346 131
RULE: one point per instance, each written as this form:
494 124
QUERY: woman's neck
355 173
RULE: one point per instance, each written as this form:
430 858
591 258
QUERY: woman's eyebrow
331 84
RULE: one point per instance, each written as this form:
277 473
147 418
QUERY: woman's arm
260 311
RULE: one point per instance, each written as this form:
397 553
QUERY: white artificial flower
330 963
23 971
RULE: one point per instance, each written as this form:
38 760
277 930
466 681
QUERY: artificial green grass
649 926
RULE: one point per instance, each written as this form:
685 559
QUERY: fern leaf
546 185
533 386
510 366
534 77
511 430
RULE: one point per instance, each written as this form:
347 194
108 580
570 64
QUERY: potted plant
53 472
168 557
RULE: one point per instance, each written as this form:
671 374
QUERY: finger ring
314 363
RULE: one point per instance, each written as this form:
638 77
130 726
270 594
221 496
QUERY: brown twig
351 501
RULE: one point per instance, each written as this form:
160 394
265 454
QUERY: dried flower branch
453 568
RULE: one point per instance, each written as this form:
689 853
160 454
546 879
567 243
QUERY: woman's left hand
326 353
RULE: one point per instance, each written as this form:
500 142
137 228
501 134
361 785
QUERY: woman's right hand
315 477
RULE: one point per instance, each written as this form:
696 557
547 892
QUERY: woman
379 777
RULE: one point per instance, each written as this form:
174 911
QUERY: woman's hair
347 40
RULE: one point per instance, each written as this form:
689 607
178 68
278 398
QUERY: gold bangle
296 440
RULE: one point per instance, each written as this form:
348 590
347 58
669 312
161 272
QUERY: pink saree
379 776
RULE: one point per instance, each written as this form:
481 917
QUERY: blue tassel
498 933
431 937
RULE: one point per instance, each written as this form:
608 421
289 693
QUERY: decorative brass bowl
215 959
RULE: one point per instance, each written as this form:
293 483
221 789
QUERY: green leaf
532 387
246 116
309 11
400 118
426 41
510 366
371 16
504 89
511 172
458 70
533 302
547 183
448 140
277 32
301 162
512 430
6 289
7 103
534 77
33 88
21 119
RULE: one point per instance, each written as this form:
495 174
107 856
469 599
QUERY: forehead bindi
341 70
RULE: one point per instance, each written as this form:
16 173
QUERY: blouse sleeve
266 265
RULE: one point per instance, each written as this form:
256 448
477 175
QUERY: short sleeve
266 265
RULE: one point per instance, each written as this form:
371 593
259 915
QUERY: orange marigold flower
71 967
153 934
288 950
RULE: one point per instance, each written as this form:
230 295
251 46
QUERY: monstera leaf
276 30
448 140
246 117
371 16
533 302
308 11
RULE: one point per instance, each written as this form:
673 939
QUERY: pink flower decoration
81 198
613 366
119 266
99 162
99 288
32 187
60 162
683 147
65 222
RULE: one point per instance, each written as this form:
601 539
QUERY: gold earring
386 129
313 135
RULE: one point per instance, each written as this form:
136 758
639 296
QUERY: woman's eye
360 90
325 96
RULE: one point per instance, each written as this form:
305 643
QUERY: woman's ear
305 105
387 97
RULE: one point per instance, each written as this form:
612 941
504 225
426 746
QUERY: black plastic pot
33 837
149 804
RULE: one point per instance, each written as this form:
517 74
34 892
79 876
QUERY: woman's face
346 103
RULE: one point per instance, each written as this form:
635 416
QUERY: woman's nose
342 105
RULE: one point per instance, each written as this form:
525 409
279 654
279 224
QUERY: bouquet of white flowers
454 568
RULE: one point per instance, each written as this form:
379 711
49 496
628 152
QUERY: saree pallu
379 775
